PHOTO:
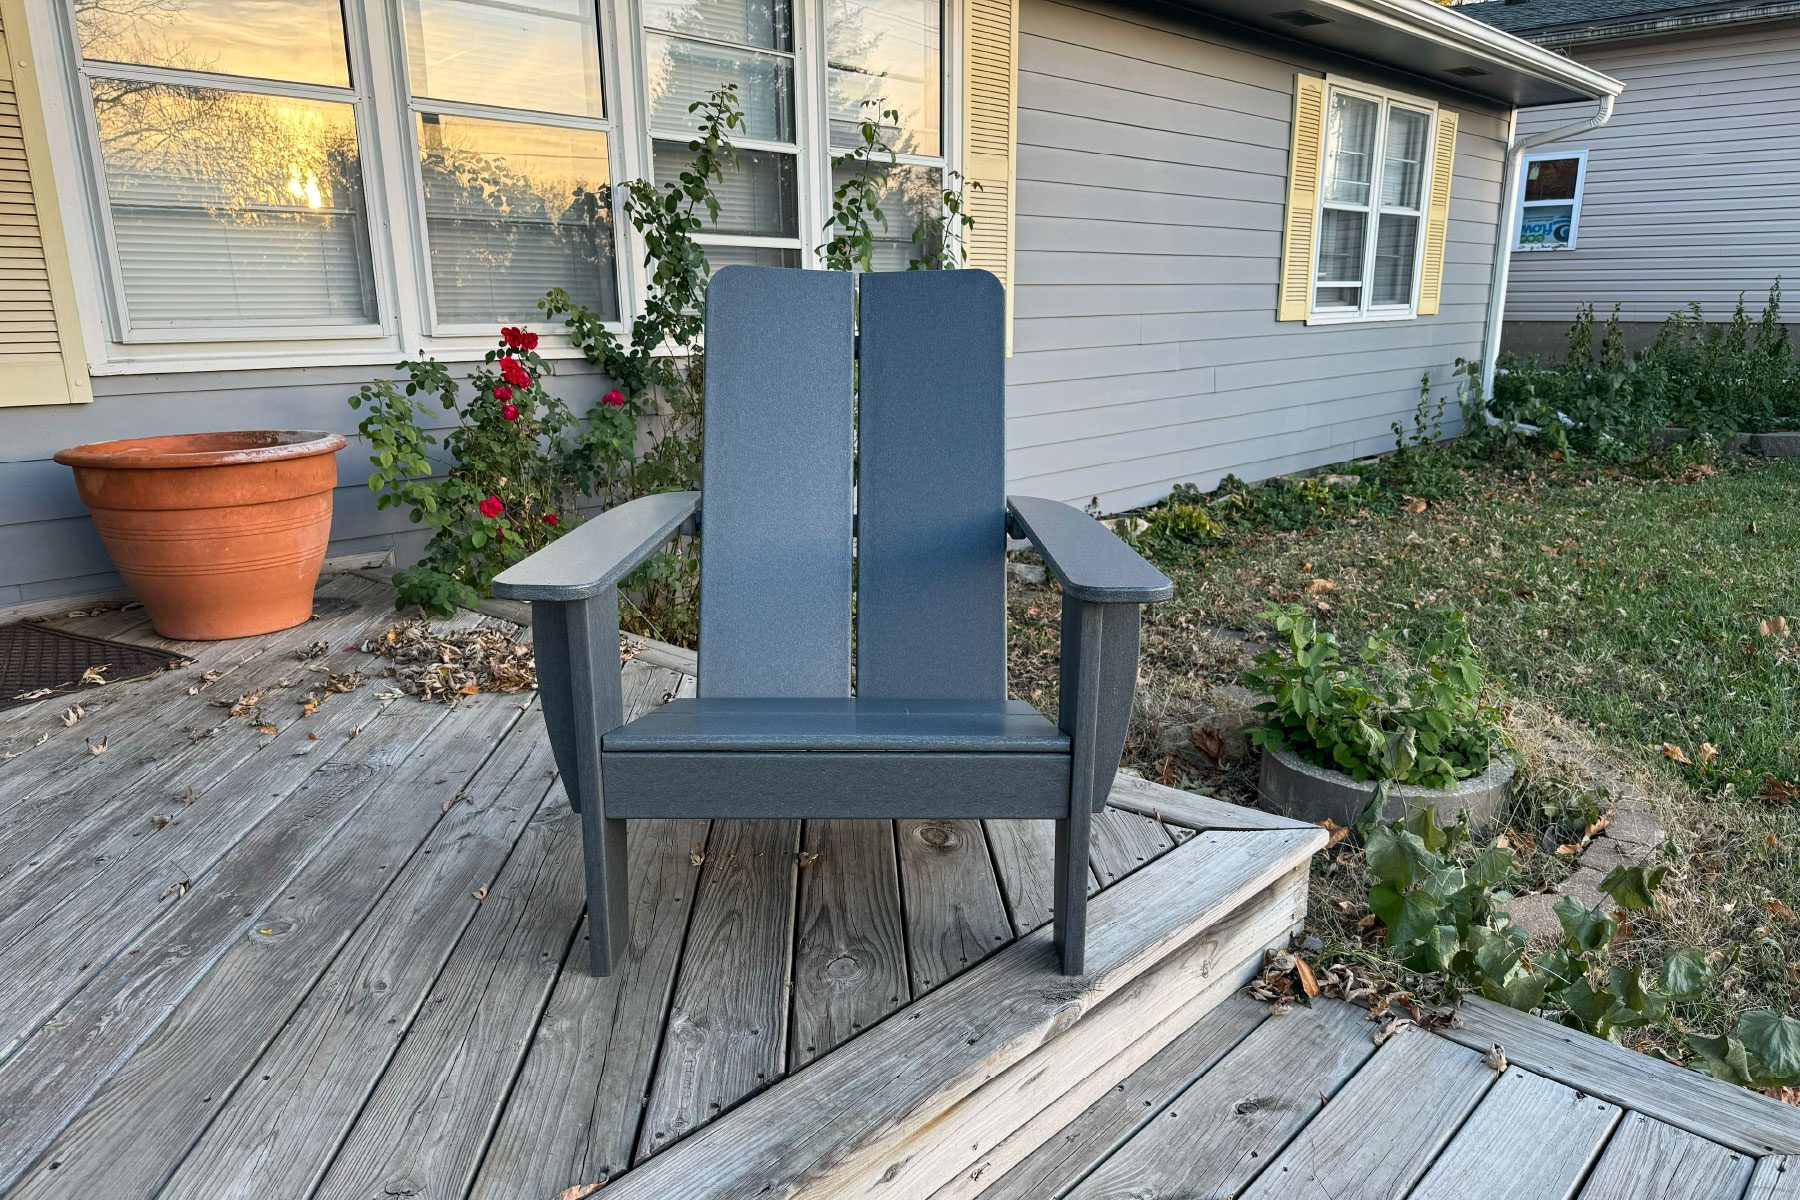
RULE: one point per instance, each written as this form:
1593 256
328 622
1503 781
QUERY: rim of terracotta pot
227 448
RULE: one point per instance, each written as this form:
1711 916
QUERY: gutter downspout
1508 233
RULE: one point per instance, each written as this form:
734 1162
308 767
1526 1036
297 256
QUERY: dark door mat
37 661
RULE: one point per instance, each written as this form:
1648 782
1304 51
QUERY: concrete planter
1296 788
1783 443
1736 443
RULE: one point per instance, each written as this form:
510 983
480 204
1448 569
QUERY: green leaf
1773 1043
1722 1058
1493 867
1398 857
1633 888
1588 929
1686 974
1410 917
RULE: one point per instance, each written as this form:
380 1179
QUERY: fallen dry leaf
1675 753
95 675
1415 505
178 889
1336 833
265 727
1392 1026
1708 753
1318 587
73 714
1778 909
807 858
1495 1058
580 1191
159 821
696 856
1774 627
1208 741
38 694
1309 983
98 747
480 893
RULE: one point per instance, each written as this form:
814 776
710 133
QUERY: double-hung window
231 171
1377 162
514 174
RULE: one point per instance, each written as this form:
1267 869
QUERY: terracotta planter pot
221 535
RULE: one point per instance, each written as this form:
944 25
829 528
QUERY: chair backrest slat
931 524
775 531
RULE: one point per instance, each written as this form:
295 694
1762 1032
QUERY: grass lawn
1650 619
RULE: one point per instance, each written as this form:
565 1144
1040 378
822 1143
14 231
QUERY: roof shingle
1529 17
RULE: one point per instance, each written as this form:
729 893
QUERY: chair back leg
597 706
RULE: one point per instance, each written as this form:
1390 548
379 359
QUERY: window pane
913 197
1546 226
1336 297
751 256
1403 165
886 54
541 55
1552 179
1341 245
766 24
512 211
679 72
1396 246
233 209
1350 148
758 198
299 40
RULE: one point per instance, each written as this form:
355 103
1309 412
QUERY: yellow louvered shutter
990 133
1437 214
40 351
1305 155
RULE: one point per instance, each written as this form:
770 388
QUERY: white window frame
1365 310
1518 217
393 197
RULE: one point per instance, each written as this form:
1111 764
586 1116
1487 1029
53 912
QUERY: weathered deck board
1214 1137
573 1116
61 788
282 1127
1777 1177
727 1029
130 1136
1648 1160
955 917
962 1034
1002 1121
1686 1099
1124 841
850 953
1422 1087
1563 1129
1134 793
1099 1130
426 1126
1024 861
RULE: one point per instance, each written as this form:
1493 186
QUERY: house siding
1152 164
1690 190
1152 170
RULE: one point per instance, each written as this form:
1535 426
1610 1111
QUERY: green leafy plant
521 461
873 176
1372 715
1441 903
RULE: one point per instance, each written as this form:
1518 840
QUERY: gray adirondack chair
808 423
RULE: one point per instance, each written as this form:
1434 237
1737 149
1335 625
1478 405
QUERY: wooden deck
337 953
1306 1104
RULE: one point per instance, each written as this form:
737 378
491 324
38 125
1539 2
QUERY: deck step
948 1093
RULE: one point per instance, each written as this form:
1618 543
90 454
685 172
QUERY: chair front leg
1098 678
596 705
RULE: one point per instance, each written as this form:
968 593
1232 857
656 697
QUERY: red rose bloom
510 411
510 335
613 399
513 373
502 392
551 519
491 507
527 340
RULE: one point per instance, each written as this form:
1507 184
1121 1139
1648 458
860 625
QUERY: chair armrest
1086 557
597 554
